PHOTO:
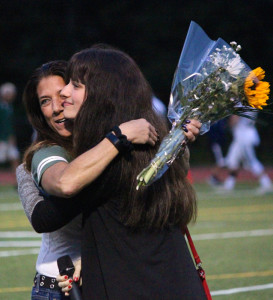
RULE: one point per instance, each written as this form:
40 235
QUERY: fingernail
187 121
65 277
76 278
184 128
70 280
70 286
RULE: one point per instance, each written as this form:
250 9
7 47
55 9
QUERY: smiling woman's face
48 91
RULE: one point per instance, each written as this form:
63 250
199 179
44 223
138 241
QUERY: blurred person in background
159 107
8 147
242 152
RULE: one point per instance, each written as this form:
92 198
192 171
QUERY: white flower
235 66
238 48
233 43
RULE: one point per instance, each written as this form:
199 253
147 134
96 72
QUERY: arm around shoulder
65 179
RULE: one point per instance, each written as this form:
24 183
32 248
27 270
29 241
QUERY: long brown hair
117 92
45 134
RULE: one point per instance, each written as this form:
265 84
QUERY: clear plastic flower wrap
210 83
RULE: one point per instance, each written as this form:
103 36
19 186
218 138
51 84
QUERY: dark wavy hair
117 92
45 134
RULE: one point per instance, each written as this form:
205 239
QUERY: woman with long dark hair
132 244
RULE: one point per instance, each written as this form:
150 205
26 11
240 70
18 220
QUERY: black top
120 265
53 213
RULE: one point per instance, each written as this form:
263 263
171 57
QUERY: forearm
51 214
66 180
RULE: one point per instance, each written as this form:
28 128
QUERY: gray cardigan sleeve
27 190
45 215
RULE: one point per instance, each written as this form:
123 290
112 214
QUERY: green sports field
233 235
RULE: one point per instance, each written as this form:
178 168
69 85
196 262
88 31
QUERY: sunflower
255 89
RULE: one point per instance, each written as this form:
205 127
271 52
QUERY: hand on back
139 131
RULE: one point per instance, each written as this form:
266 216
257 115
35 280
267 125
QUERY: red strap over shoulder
198 262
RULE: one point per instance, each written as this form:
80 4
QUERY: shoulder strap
198 262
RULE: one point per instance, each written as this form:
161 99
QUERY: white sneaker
229 183
222 189
263 190
214 181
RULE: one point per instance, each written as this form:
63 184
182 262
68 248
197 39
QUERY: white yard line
197 237
216 194
230 235
243 289
19 252
20 244
10 206
19 234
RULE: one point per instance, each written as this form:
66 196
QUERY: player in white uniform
242 152
8 147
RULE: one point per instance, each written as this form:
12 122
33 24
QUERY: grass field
233 235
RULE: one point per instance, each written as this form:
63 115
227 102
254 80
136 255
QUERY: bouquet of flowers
211 82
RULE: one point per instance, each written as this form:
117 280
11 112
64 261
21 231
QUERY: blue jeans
41 293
